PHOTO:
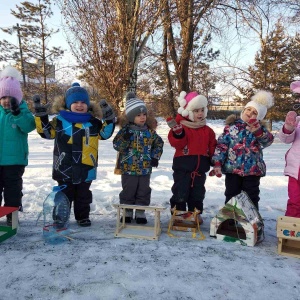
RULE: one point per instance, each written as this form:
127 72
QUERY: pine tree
37 61
274 70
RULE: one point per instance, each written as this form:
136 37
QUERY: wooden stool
135 231
8 231
288 233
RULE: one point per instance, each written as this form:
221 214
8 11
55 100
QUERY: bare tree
107 38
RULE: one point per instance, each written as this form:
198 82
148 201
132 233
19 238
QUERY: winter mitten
40 110
107 111
154 162
171 122
177 128
14 106
290 121
128 134
216 171
255 127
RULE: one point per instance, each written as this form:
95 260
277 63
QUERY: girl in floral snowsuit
238 153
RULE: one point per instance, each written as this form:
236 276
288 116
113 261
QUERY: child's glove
177 128
14 106
216 171
290 121
154 162
40 110
127 135
107 111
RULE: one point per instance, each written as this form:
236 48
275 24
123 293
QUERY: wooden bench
138 231
8 231
288 233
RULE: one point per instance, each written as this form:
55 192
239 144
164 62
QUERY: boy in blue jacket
77 128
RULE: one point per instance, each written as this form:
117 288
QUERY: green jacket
14 135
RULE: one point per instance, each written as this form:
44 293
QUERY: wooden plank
136 231
6 232
5 210
288 228
153 208
288 247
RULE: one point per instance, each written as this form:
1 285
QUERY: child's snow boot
128 216
140 217
84 222
9 220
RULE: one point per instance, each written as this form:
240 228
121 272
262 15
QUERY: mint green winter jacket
14 135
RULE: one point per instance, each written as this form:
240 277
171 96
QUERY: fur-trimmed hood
232 118
150 122
60 104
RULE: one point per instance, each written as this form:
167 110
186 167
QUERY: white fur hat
189 102
261 101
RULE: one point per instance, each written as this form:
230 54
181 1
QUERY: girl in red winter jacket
194 144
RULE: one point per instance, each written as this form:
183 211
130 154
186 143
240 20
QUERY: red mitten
177 128
255 127
216 171
290 121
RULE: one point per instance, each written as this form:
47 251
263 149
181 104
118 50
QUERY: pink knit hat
9 84
189 102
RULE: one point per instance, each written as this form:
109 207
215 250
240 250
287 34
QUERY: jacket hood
231 119
150 122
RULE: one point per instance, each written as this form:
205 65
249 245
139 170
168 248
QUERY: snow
96 265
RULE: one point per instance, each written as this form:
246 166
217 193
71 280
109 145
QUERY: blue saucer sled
238 222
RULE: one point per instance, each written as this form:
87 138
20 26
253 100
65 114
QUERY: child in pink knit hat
16 121
290 134
194 144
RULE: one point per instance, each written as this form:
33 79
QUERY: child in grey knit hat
140 149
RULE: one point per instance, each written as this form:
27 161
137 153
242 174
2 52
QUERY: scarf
73 117
134 127
193 125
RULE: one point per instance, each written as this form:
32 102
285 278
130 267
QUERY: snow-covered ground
96 265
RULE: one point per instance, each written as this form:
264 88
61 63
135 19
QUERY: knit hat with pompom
76 93
261 101
134 106
9 84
